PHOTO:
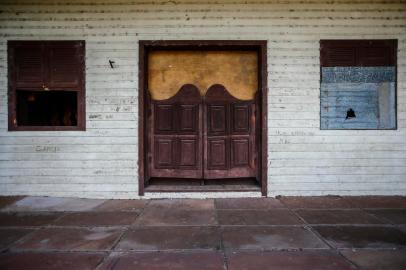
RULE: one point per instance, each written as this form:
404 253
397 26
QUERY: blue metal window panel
368 91
358 74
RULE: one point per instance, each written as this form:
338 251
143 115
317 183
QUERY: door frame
145 46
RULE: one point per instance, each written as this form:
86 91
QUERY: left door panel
175 135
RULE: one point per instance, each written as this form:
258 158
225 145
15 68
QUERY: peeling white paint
303 160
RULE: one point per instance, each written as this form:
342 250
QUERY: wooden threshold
202 185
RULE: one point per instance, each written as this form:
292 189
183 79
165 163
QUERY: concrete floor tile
318 202
377 201
182 204
283 260
163 216
338 217
97 219
270 238
27 218
363 236
165 260
70 239
9 236
53 204
249 203
122 205
250 217
7 200
377 259
259 230
50 261
167 238
394 216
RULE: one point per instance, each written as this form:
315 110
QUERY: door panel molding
217 117
164 122
217 154
240 152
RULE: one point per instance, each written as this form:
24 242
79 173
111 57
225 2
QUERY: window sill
47 128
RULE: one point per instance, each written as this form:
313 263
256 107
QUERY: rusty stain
236 70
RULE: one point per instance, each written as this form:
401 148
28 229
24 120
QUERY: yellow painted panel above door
237 71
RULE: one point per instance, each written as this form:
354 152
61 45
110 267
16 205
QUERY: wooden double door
203 137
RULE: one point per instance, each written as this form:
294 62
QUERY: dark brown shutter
29 64
65 64
374 56
340 53
338 56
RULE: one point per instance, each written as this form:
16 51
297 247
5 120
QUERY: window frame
325 44
13 89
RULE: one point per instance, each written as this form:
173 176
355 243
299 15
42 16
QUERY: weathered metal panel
358 74
367 91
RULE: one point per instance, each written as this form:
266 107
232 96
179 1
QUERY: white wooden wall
303 160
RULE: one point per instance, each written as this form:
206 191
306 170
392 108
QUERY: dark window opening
47 108
46 85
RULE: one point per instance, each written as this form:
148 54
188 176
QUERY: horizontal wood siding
303 160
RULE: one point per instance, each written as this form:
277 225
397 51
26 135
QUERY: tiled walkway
326 233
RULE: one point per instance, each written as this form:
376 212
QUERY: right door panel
228 135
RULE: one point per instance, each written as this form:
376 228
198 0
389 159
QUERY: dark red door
176 135
228 135
207 137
